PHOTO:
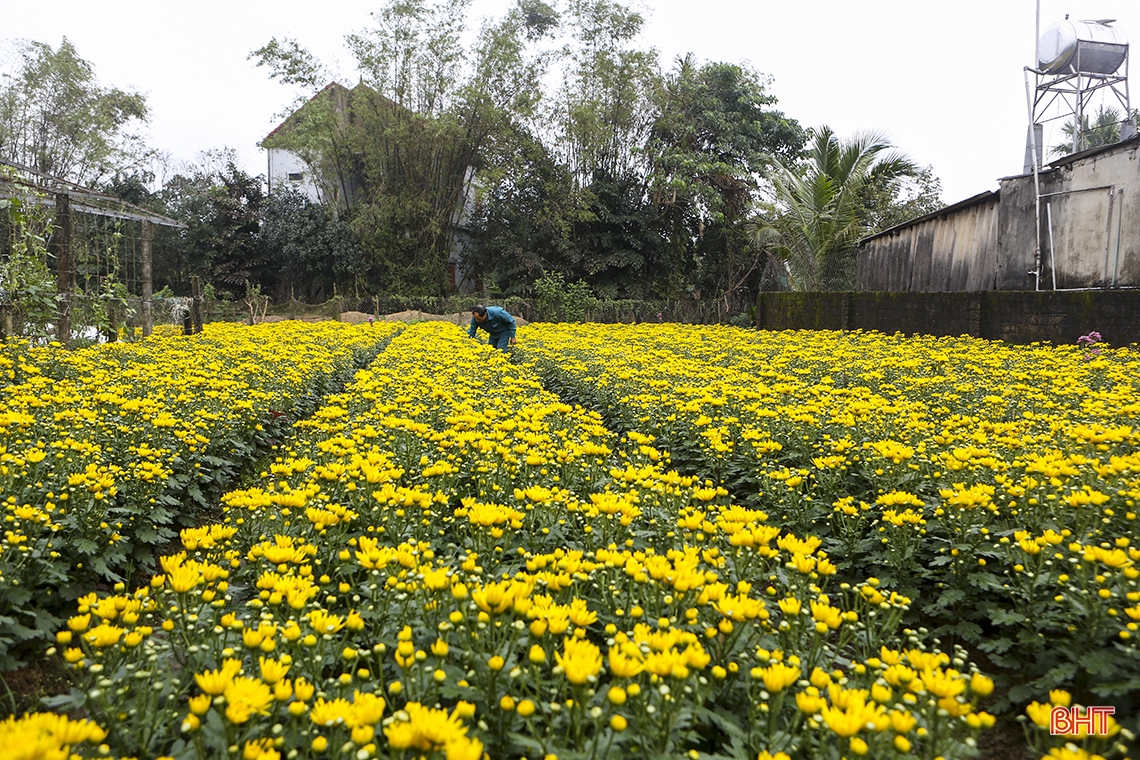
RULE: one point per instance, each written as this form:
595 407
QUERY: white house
288 169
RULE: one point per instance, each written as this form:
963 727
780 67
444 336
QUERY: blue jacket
497 323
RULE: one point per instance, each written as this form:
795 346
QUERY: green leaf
997 646
1005 617
85 545
72 701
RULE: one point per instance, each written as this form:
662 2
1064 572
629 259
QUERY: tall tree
715 133
819 208
603 112
394 138
222 207
56 118
524 216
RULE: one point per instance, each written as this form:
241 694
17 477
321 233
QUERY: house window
294 176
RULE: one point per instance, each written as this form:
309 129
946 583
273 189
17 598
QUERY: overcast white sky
944 80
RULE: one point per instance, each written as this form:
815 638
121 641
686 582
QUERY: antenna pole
1037 38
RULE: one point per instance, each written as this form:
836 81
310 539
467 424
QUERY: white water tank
1095 47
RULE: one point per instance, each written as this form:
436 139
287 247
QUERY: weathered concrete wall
1016 239
1095 221
1090 233
1014 317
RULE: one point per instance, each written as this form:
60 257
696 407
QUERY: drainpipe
1036 272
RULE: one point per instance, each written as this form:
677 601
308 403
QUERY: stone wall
1011 316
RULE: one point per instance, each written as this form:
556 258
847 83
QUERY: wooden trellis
68 199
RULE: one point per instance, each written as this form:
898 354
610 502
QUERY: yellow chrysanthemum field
653 541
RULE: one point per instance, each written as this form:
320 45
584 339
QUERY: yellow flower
183 578
79 623
200 704
881 693
303 690
329 713
214 682
245 697
779 676
790 606
625 661
809 703
103 635
260 749
1039 713
901 721
943 683
981 685
854 715
580 660
272 671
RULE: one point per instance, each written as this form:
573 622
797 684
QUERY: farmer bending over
499 325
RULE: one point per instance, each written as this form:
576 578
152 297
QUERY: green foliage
559 302
27 287
634 180
604 110
715 133
1103 130
397 148
524 217
312 249
899 199
56 118
825 206
222 207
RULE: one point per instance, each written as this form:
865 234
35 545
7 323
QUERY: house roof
971 201
330 89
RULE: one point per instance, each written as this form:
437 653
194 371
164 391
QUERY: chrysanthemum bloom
580 659
246 696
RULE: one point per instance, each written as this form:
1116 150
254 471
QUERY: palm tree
820 207
1105 131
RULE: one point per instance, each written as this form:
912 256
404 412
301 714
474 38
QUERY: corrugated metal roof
971 201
